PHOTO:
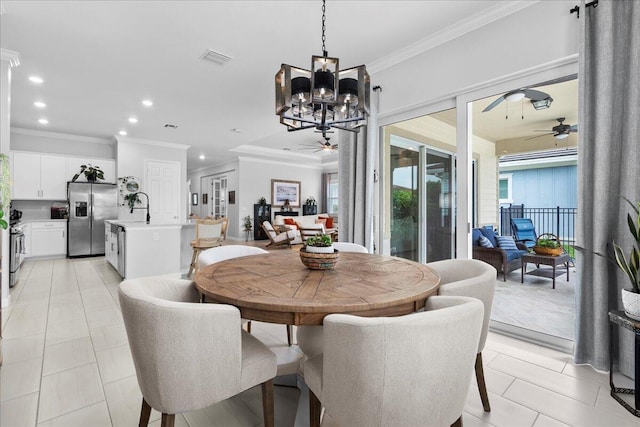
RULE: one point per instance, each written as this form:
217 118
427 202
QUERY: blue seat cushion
489 234
514 254
475 236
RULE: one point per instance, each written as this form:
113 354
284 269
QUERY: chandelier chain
324 37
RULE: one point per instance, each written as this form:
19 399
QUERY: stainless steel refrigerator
90 204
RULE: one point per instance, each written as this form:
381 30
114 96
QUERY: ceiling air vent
215 57
170 126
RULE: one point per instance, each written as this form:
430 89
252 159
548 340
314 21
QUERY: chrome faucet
147 208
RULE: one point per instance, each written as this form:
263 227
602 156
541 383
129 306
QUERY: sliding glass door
422 195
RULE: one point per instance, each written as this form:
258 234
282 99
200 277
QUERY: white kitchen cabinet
27 239
106 165
48 238
39 177
110 246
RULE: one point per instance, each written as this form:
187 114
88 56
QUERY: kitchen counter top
42 220
129 225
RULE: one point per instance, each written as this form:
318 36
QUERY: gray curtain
356 165
608 169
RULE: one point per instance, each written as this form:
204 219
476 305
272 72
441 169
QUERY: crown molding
461 28
150 142
63 136
280 162
13 58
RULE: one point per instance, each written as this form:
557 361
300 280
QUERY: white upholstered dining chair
404 371
188 355
222 253
470 278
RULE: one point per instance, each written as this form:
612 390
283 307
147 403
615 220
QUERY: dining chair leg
458 422
290 335
145 413
267 403
168 420
194 259
482 387
249 326
314 410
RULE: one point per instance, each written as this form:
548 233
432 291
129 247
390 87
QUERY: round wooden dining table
277 288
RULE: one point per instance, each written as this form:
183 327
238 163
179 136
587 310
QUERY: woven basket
315 261
543 250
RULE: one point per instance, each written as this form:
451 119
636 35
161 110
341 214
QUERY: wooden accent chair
189 355
470 278
386 371
278 239
209 234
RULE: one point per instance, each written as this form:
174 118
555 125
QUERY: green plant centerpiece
321 243
92 173
631 264
548 244
318 253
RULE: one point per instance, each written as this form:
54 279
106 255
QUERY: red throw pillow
290 221
329 223
322 221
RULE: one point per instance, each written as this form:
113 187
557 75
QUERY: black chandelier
323 97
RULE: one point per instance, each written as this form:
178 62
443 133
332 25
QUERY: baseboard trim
534 337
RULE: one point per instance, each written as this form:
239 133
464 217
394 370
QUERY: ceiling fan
322 146
560 131
539 100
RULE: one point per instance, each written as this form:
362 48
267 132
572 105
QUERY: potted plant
92 173
132 199
3 223
262 201
320 244
248 223
548 244
631 265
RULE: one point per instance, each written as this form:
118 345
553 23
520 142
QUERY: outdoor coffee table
553 261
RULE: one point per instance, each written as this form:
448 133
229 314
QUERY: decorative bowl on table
319 261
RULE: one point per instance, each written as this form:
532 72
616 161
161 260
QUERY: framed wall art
283 190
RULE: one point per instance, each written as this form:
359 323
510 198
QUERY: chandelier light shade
323 97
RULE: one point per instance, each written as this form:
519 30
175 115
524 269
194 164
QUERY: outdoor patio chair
524 231
504 261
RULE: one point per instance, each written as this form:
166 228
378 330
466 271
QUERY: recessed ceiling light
35 79
133 120
43 121
201 156
40 104
147 102
123 132
237 130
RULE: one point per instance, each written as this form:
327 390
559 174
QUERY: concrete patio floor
535 305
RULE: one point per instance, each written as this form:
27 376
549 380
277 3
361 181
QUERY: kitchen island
137 249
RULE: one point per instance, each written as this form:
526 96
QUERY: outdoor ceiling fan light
542 104
516 96
561 135
312 98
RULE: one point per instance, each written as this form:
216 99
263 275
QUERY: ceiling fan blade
573 128
535 95
494 103
533 137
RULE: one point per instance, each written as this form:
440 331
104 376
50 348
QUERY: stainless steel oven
16 251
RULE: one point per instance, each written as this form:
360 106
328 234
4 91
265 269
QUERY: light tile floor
67 363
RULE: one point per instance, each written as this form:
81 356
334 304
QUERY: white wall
255 177
64 144
131 154
536 35
229 169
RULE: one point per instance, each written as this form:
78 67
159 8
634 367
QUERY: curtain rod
576 8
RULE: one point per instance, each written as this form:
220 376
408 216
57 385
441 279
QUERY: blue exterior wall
545 187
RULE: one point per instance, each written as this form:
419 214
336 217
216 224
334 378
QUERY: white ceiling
99 59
